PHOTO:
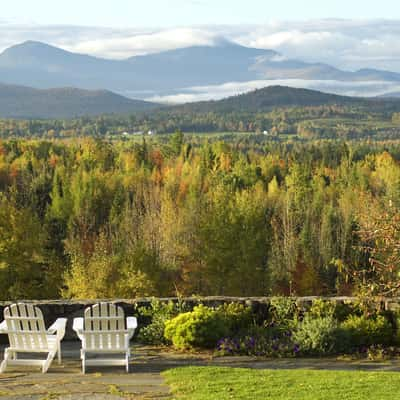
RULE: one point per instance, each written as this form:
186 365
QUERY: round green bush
202 327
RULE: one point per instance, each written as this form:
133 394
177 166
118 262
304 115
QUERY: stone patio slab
144 380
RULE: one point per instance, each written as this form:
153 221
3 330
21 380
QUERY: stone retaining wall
53 309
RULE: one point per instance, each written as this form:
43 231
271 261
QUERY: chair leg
59 352
83 357
47 362
3 365
127 362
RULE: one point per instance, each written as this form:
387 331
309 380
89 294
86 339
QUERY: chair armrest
77 325
58 327
131 322
3 327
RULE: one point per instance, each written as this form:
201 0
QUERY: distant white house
137 133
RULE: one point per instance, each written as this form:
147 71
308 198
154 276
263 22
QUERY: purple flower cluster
228 346
279 345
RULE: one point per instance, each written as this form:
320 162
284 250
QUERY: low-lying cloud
216 92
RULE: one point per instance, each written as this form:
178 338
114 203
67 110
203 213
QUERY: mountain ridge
267 98
17 101
24 102
45 66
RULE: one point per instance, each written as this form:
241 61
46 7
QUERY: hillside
267 98
25 102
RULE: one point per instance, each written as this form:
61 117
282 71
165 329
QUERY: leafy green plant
343 310
368 330
283 311
201 327
204 326
316 335
396 320
237 317
158 313
322 309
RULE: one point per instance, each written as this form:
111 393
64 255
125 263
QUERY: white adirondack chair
27 333
104 330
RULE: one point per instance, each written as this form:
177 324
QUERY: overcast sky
163 13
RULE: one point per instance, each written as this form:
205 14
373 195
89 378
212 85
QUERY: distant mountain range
43 66
43 81
391 95
25 102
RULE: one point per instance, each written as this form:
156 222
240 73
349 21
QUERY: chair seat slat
11 318
101 318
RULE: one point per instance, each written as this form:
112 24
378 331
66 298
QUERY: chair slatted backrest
104 327
25 327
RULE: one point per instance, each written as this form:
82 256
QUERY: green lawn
220 383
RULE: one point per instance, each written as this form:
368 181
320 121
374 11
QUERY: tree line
345 122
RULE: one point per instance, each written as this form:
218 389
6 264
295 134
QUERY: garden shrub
365 330
396 322
284 311
316 335
157 314
322 309
345 309
231 329
340 310
202 327
238 318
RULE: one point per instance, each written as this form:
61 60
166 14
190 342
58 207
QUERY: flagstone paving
144 382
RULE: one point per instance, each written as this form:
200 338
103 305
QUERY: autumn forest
94 218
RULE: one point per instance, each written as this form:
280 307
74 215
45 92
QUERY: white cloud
303 45
216 92
144 42
348 44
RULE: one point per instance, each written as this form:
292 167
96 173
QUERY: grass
220 383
